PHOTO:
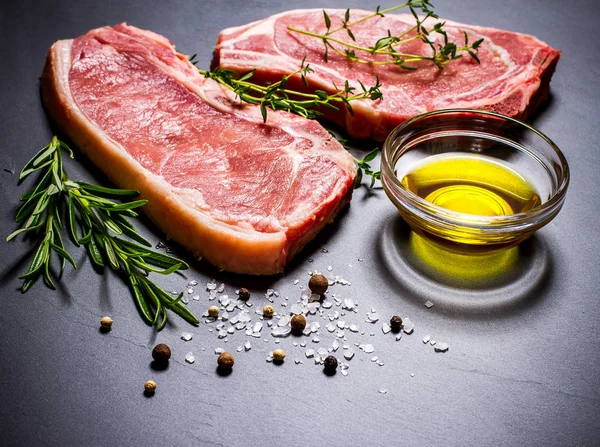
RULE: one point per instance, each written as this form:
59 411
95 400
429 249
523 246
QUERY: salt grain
441 347
281 331
349 304
189 357
283 321
408 326
369 348
187 336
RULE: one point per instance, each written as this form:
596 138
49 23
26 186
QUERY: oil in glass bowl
473 181
472 184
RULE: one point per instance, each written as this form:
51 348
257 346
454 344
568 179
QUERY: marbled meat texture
512 79
244 195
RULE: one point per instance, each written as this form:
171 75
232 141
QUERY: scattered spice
278 355
150 386
396 323
298 323
106 323
330 364
213 311
244 294
161 353
268 311
318 284
225 361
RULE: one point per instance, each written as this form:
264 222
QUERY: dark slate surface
522 368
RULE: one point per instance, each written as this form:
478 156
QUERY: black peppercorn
225 361
161 353
318 284
396 323
330 364
298 323
244 294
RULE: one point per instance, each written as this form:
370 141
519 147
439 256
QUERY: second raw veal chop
512 79
243 194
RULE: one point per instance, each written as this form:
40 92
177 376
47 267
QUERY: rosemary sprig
40 213
99 223
277 96
442 54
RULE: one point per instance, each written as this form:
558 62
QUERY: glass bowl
478 148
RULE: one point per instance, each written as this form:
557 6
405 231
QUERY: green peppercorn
330 364
213 311
268 311
161 353
225 361
396 323
244 294
298 323
318 284
106 323
150 386
278 355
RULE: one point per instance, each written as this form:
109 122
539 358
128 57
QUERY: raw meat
513 77
244 195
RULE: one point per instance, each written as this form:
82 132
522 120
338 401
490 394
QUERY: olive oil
472 184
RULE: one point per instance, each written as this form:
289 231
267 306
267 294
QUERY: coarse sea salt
186 336
441 347
408 326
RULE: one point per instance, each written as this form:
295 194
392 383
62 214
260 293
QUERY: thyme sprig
441 53
365 168
99 223
277 96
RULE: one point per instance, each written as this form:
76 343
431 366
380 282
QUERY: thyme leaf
99 223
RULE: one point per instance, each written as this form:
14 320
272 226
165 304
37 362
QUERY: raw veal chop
243 194
513 77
